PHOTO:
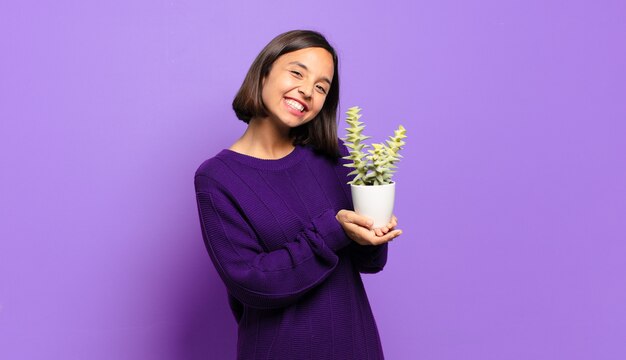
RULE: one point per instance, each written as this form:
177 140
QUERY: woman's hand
359 228
385 229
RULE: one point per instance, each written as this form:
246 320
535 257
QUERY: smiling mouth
295 105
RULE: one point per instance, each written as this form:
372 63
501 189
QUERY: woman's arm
264 279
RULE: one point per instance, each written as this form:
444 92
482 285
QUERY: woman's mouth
295 106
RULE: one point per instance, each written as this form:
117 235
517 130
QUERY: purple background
512 191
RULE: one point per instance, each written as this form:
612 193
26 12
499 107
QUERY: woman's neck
262 139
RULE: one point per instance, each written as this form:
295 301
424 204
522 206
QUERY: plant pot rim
391 183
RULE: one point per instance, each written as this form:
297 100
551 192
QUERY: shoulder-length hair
320 132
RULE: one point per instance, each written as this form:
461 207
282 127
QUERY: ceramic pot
374 201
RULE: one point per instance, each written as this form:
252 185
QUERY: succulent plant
377 167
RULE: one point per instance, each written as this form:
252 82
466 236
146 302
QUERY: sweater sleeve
369 259
267 279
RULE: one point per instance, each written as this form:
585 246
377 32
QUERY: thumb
361 220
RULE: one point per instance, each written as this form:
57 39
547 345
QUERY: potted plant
373 191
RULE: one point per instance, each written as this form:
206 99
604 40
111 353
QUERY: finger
379 232
392 235
387 237
393 222
389 224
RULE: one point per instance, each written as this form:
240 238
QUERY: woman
276 214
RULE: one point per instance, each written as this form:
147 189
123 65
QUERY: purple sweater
291 272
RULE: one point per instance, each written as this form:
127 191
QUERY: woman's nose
305 91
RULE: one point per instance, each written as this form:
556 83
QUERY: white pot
374 201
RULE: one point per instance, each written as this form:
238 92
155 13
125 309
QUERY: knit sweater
292 274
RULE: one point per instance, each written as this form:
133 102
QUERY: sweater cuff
330 230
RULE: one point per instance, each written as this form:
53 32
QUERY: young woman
276 214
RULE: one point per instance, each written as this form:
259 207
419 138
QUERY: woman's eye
296 73
321 89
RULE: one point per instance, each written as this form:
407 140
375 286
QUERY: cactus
376 168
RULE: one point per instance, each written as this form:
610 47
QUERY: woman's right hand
359 229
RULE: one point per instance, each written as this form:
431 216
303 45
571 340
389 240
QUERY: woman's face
296 86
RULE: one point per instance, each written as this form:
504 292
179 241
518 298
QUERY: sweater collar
265 164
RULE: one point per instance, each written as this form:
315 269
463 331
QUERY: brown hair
320 132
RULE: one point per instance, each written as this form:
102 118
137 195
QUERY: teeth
294 104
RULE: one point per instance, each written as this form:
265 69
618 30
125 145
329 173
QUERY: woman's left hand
385 229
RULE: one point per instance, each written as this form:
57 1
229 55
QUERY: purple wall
512 192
